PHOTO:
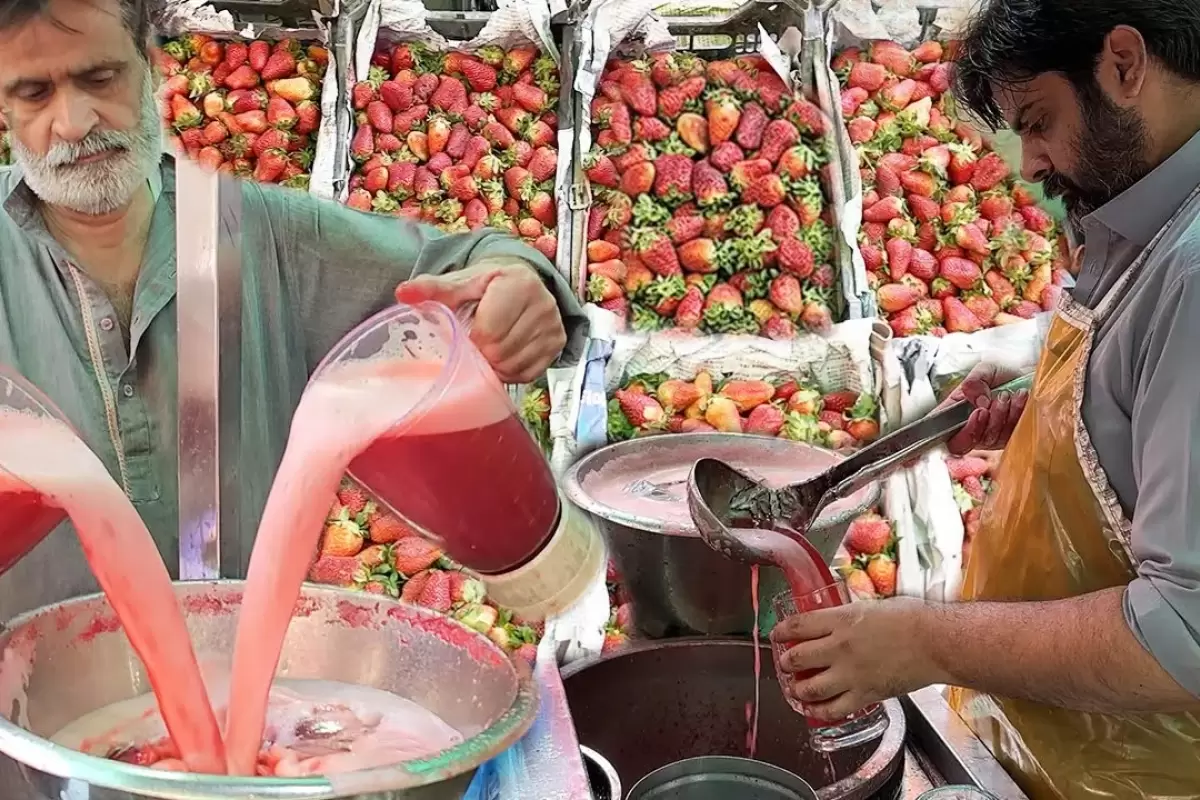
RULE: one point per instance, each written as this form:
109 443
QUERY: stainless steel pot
719 778
63 661
679 586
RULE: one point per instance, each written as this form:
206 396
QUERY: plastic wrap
198 16
840 360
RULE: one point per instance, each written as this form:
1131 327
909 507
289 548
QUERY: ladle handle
880 459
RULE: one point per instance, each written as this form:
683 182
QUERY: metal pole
208 303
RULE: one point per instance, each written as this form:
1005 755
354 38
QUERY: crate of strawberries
367 548
811 389
951 240
462 136
257 102
710 179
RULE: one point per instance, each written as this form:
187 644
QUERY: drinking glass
825 737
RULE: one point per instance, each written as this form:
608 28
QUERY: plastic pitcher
458 465
25 516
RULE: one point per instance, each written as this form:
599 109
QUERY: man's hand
995 415
517 326
866 652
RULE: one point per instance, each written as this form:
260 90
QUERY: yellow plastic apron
1054 529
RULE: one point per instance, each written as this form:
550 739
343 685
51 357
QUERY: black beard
1110 154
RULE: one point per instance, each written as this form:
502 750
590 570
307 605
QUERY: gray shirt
312 270
1142 400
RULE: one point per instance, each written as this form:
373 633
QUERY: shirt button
128 390
106 324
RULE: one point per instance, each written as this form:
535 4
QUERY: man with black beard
1078 659
87 279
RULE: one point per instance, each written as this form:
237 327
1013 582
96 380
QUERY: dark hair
1010 42
135 14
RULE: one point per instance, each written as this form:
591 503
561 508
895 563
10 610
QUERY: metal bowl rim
41 754
573 487
774 771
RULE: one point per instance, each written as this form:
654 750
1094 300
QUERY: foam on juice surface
341 413
312 728
47 456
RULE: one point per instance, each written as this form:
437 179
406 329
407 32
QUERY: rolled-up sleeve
344 265
1162 604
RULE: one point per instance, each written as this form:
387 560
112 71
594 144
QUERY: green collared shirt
312 271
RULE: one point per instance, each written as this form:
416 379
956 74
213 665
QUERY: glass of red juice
457 464
26 517
825 737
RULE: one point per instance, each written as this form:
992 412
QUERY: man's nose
75 117
1035 161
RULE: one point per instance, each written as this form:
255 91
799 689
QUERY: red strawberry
966 467
638 179
765 420
691 309
970 238
990 171
959 318
778 136
895 297
869 534
750 128
796 257
767 191
544 164
685 225
638 91
437 592
639 409
899 253
882 572
868 76
786 294
673 176
708 185
1037 219
886 210
450 96
724 113
725 155
861 129
960 272
922 265
650 129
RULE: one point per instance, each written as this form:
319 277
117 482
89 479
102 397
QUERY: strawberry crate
950 240
252 92
770 262
470 106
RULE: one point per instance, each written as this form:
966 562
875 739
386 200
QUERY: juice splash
313 728
342 413
43 457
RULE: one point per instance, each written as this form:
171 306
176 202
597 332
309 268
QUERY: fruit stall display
786 406
460 140
366 547
619 628
534 410
250 108
951 241
709 212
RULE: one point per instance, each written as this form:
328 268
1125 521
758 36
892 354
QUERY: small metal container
721 778
679 585
602 778
957 793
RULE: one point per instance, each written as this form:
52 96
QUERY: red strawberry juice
463 463
45 456
25 519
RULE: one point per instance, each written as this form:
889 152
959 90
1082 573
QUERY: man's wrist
931 634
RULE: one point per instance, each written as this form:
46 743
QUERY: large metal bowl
656 703
63 661
679 585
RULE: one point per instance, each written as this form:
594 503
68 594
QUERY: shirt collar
1139 212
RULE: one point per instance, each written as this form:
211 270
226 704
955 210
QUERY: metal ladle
720 496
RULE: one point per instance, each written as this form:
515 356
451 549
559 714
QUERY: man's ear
1123 64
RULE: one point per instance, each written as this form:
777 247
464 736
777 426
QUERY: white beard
106 185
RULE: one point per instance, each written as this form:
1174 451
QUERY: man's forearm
1076 653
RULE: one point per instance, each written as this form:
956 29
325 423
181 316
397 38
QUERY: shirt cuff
1150 613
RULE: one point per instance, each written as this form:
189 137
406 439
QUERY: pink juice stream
340 415
45 456
752 714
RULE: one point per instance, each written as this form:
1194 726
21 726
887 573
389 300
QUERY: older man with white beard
87 277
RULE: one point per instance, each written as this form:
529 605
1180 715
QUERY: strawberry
897 96
693 130
851 99
342 536
542 207
650 129
450 96
1037 219
544 164
599 251
882 572
785 292
778 136
928 52
960 272
796 257
690 311
990 171
971 239
962 164
919 184
270 166
747 394
656 251
637 90
895 297
899 253
751 126
639 409
764 420
839 401
359 200
258 55
709 185
685 225
722 413
860 584
868 76
861 129
436 593
959 318
922 265
966 466
723 113
767 191
982 306
869 534
673 177
334 570
725 155
638 179
677 394
783 223
885 210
